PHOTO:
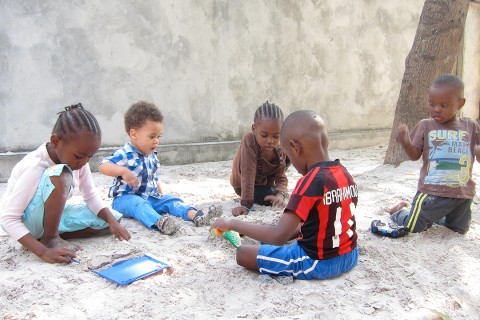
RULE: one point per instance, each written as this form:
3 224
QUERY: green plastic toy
232 236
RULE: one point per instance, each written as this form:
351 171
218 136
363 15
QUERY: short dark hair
449 80
139 113
75 119
268 111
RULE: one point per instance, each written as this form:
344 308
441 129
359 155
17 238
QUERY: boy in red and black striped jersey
322 205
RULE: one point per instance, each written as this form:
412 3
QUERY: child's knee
240 255
63 182
247 257
461 226
243 256
458 230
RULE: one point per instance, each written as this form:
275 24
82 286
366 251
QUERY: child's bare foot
167 225
402 204
203 219
58 242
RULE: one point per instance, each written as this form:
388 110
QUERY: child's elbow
414 157
414 154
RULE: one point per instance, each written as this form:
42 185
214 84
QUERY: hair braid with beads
268 111
75 119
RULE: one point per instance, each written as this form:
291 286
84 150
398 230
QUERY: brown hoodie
250 169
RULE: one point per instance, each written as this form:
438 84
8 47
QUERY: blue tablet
128 271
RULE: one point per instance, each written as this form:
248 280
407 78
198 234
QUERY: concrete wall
471 62
208 64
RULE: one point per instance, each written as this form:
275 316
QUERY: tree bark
434 51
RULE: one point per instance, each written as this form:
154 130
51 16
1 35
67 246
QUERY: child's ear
253 128
296 147
461 103
132 133
54 140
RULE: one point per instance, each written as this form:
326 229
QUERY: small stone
265 278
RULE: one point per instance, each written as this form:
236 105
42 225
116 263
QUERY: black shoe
391 230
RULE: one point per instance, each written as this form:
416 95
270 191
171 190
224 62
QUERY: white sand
427 275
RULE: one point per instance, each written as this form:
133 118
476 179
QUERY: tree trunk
434 51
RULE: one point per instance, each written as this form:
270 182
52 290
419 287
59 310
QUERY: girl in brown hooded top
258 169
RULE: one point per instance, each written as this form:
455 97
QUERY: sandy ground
425 276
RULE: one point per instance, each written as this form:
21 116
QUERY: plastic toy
391 229
232 236
215 232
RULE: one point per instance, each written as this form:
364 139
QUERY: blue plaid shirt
145 167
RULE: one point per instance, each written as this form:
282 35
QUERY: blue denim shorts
74 217
291 260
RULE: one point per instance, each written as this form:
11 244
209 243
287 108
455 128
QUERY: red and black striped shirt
325 199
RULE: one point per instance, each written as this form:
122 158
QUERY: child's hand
130 178
58 255
119 231
403 137
403 134
221 224
237 211
278 200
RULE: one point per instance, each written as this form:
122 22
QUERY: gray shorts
454 213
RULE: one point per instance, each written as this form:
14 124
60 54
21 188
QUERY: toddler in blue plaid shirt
136 187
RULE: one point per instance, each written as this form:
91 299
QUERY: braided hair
268 111
75 119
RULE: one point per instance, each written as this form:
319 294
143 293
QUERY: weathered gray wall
206 64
